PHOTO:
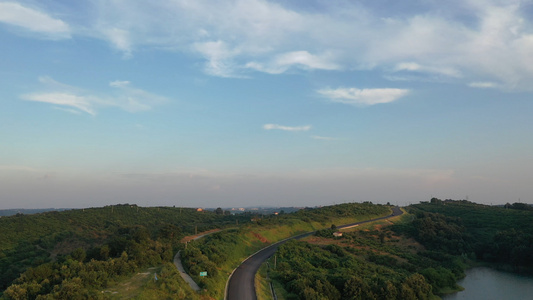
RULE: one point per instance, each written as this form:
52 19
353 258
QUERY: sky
264 103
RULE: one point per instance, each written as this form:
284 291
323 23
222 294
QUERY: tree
355 288
79 255
219 211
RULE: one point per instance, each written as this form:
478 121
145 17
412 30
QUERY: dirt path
199 235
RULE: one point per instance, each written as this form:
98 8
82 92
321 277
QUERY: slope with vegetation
420 257
92 253
498 235
220 253
78 253
367 262
98 253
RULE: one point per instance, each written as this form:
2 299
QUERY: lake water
488 284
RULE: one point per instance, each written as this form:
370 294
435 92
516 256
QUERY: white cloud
79 102
483 84
219 58
120 39
416 67
302 59
286 128
33 20
119 83
75 100
464 41
357 96
69 110
324 138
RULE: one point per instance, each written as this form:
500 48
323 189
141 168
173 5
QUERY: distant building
199 209
337 234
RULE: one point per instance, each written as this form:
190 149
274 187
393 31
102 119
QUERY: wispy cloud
418 68
33 20
300 59
81 103
74 100
324 138
219 58
357 96
286 128
464 40
483 85
120 39
468 40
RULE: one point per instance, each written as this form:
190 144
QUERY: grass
262 283
281 293
133 286
280 232
254 237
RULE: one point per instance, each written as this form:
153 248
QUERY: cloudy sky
254 102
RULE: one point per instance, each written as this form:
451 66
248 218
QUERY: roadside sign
203 273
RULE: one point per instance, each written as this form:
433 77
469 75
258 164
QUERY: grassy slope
254 237
31 240
369 243
280 291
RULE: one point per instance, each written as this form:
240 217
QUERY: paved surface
185 276
241 285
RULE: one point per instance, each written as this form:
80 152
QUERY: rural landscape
126 251
266 149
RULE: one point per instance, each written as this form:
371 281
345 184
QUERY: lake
487 284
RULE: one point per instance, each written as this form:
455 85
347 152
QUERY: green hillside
116 252
98 234
420 257
502 235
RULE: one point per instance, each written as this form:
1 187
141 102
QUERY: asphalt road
241 285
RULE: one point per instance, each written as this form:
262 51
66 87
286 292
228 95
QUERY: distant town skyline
264 103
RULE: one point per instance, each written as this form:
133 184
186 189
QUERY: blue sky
251 102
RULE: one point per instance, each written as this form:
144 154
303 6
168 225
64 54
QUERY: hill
94 252
25 211
420 257
96 233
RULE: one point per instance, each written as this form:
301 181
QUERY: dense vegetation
369 263
334 272
82 253
220 253
86 249
502 235
383 262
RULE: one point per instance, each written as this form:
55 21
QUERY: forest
379 262
499 235
80 254
55 254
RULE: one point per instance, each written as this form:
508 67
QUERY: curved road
241 285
